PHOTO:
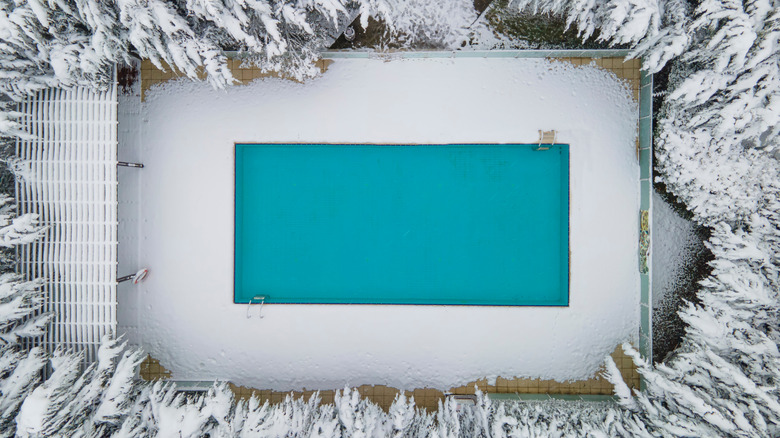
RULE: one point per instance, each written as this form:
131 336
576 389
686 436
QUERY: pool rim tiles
565 250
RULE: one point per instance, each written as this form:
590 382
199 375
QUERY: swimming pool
402 224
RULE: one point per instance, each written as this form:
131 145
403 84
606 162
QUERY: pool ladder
546 140
255 300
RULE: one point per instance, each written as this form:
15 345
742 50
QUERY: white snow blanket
184 315
675 245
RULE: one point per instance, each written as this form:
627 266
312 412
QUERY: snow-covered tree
717 177
716 149
159 410
16 230
9 121
20 302
62 43
155 30
274 36
20 373
658 48
723 379
430 24
52 44
619 22
718 132
71 402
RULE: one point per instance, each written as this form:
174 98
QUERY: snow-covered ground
674 245
678 251
184 315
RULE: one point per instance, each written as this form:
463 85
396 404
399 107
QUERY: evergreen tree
16 230
20 302
717 141
74 403
619 22
62 43
20 373
671 40
722 380
429 24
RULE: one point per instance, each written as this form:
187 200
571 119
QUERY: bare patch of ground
680 261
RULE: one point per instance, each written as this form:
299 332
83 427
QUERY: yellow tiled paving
151 75
628 71
152 370
429 398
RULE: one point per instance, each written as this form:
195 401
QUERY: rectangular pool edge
562 301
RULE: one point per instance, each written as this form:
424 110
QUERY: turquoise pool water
402 224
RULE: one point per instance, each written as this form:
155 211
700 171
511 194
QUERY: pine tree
717 141
20 302
671 40
63 43
159 410
717 177
75 403
20 373
618 22
157 32
9 123
16 230
722 380
429 24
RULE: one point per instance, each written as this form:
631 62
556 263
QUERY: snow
622 391
181 207
34 410
432 23
674 246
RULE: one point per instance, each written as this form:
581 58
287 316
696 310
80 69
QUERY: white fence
70 181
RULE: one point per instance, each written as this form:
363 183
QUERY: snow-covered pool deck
183 314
